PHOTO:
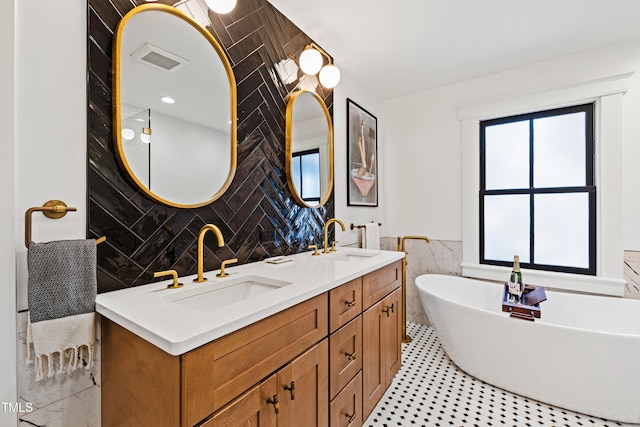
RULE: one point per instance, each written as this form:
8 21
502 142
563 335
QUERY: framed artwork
362 156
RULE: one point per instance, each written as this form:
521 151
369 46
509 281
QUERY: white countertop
149 312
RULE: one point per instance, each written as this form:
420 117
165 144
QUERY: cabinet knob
291 389
350 303
352 418
274 401
351 356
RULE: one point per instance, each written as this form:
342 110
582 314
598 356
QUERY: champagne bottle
515 281
516 275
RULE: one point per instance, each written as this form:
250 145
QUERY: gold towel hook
53 209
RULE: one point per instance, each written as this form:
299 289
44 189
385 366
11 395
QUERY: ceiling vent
159 58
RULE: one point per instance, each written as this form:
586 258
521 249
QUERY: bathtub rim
541 320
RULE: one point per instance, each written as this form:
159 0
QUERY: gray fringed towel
61 294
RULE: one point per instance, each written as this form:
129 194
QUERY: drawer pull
352 418
274 401
351 356
350 303
389 309
291 389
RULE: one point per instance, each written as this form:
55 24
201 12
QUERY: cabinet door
303 389
392 335
373 363
250 409
381 347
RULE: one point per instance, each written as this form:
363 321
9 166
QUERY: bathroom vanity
313 340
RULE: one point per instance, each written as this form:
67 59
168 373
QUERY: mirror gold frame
289 147
116 100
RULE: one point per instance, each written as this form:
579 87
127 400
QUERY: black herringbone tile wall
257 215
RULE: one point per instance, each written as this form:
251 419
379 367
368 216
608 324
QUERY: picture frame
362 156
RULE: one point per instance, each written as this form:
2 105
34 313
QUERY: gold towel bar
53 209
361 226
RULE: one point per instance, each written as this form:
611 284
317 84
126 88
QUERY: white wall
426 164
51 116
8 387
350 88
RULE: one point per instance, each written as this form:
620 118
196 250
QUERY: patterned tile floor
430 390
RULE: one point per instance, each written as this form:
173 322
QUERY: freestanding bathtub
583 354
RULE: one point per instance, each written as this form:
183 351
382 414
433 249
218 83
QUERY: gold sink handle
173 274
315 250
223 265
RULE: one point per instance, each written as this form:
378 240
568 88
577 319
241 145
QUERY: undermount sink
212 296
350 257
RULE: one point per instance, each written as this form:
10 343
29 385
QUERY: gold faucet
326 232
203 231
224 264
406 338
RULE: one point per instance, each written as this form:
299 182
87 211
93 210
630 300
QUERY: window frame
589 188
297 157
607 92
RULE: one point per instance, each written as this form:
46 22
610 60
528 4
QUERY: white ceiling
399 47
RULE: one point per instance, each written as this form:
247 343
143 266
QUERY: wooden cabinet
322 361
302 389
296 393
250 409
346 408
345 354
381 337
216 373
345 303
365 353
380 283
141 382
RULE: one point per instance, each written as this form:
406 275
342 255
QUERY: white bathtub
583 354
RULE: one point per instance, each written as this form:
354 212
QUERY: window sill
570 282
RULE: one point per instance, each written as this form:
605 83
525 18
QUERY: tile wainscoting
632 274
65 400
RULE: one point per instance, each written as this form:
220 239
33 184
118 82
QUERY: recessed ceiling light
128 134
168 100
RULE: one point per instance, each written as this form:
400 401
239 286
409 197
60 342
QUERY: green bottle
516 275
515 281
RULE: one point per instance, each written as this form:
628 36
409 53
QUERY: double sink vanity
303 340
298 340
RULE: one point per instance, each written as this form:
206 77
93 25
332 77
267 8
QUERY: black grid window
537 191
305 171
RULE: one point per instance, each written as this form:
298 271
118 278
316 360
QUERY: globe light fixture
221 6
329 76
311 62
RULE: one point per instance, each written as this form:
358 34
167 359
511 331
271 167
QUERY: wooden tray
522 310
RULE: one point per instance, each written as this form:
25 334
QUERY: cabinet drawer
380 283
346 409
345 355
216 373
345 303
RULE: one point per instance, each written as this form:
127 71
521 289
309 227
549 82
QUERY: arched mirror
174 98
309 148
